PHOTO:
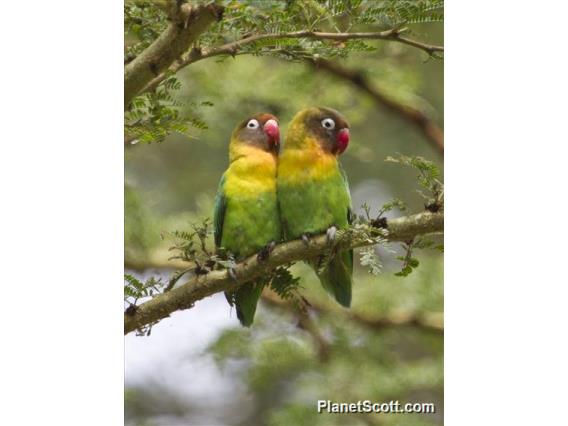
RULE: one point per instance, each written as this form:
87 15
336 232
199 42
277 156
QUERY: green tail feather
336 278
245 300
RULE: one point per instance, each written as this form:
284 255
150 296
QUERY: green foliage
428 174
409 263
143 23
395 203
397 13
135 289
284 283
425 243
193 246
367 210
253 16
154 115
190 244
277 17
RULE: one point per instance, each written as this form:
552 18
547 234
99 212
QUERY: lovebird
246 219
313 192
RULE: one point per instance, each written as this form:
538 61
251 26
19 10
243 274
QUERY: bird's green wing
219 213
349 208
346 183
246 300
337 276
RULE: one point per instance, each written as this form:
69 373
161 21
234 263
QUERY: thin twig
233 48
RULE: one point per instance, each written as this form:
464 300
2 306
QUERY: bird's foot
232 273
330 234
306 238
264 253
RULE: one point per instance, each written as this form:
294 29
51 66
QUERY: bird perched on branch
246 217
313 192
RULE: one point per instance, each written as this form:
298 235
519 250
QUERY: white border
61 174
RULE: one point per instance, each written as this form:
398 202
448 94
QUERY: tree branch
429 128
323 347
201 286
186 24
234 47
433 321
392 35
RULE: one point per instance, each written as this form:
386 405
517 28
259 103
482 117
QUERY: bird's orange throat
310 162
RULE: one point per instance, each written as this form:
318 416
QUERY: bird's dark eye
253 124
328 123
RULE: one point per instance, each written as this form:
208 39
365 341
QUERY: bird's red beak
273 133
342 140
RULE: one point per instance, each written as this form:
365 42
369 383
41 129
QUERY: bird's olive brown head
260 130
326 125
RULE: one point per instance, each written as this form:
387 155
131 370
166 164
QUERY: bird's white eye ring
253 124
328 123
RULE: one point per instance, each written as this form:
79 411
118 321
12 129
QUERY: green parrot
246 217
313 192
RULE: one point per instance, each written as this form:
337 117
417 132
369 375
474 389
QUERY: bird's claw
330 234
264 253
232 273
306 238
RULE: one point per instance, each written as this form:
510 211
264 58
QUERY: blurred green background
199 367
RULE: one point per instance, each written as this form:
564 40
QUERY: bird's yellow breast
251 172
